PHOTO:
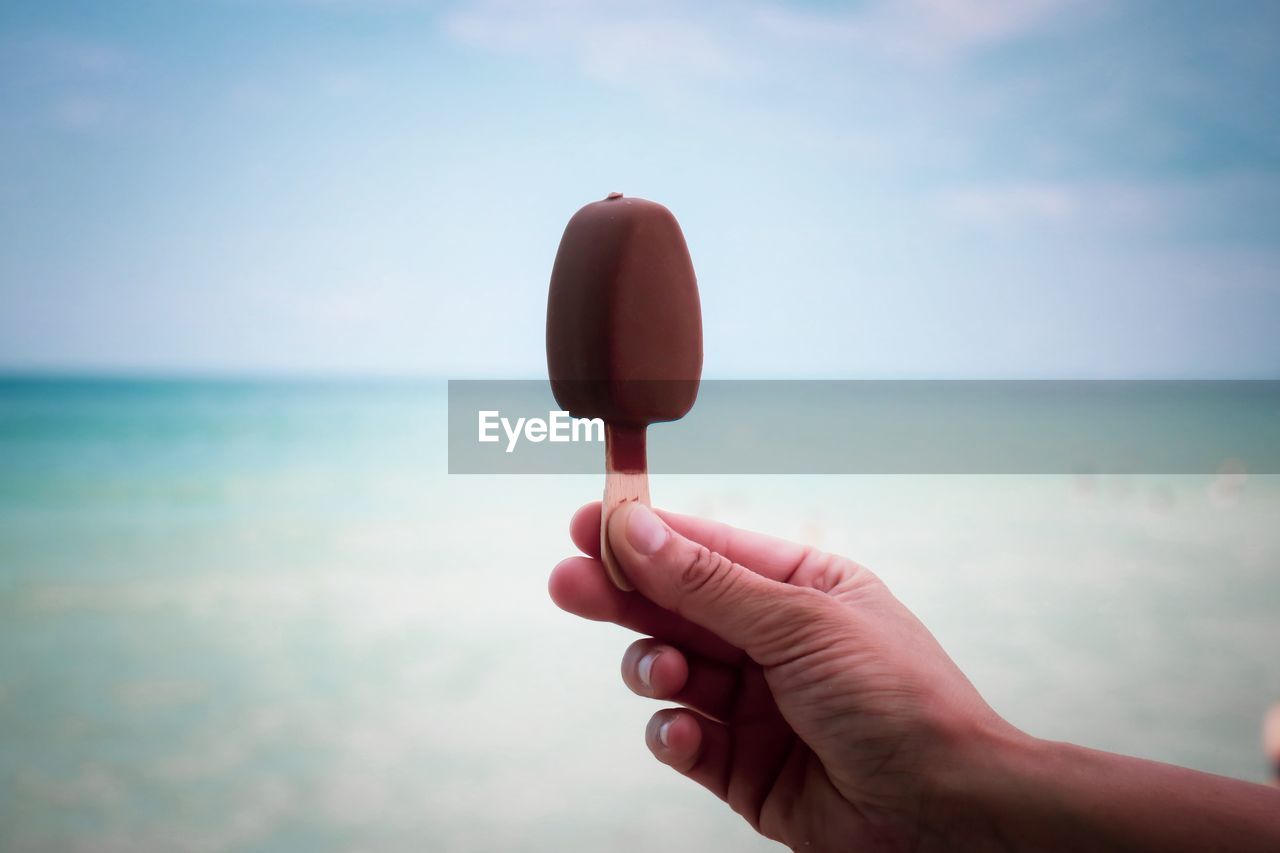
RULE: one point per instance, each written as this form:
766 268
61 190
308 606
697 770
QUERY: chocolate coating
624 324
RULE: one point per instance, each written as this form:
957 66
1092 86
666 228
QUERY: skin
821 710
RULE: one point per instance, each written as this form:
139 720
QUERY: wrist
980 792
1005 790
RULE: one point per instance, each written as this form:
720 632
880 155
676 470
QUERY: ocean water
261 616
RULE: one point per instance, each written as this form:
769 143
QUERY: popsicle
624 336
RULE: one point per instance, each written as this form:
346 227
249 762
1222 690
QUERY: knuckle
834 573
702 568
830 574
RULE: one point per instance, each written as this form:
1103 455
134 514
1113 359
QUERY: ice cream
624 333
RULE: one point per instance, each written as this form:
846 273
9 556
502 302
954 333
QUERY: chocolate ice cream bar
624 335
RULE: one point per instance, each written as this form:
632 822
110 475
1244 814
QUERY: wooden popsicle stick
626 479
620 487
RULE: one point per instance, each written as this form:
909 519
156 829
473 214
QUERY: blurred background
244 242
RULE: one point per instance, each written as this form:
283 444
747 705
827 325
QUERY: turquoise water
260 616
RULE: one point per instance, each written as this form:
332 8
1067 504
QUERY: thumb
761 616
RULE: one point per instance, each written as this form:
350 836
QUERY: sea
262 616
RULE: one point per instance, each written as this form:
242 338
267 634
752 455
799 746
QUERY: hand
815 704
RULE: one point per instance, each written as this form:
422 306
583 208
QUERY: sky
922 188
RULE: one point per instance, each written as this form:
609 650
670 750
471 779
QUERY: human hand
815 704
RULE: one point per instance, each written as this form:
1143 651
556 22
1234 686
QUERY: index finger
776 559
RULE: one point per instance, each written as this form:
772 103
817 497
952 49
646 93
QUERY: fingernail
664 731
644 669
645 531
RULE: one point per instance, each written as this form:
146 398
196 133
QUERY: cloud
83 112
259 95
618 41
343 83
609 41
357 7
63 57
1027 203
1189 207
86 57
924 31
70 82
